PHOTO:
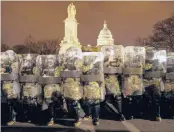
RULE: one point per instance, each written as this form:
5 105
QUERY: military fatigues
133 82
72 63
168 93
153 81
9 83
50 81
93 84
31 90
113 64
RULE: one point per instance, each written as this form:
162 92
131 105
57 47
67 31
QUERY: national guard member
93 84
31 90
72 63
10 82
113 64
50 80
133 82
154 71
168 94
4 103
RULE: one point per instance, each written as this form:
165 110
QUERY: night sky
44 20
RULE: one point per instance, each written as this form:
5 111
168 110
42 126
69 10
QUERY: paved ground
136 125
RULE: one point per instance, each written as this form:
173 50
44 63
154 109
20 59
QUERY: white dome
105 36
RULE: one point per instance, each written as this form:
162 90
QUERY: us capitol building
70 36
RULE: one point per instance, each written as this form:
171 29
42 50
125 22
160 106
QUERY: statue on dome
71 11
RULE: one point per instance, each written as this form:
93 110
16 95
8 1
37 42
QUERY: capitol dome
105 36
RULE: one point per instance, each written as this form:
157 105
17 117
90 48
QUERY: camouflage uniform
31 90
168 93
113 64
71 63
50 81
133 82
93 84
153 81
9 82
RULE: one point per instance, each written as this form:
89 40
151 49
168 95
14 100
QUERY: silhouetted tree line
162 35
4 47
48 46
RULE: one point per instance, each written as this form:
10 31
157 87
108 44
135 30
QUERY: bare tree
31 43
49 46
162 37
4 47
20 49
142 41
163 34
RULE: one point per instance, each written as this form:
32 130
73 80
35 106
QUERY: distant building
105 36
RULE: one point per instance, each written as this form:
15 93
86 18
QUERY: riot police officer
50 81
153 80
168 93
31 90
93 84
72 62
113 64
10 83
133 81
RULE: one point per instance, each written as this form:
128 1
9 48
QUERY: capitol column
70 38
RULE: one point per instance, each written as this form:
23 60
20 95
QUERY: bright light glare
162 59
29 57
112 52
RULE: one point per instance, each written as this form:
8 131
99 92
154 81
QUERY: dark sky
44 20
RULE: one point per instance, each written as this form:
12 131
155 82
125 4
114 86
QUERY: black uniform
50 81
133 81
31 90
168 93
71 63
153 82
93 84
113 64
10 84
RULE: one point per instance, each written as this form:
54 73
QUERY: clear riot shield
9 74
2 70
28 63
169 83
155 68
113 64
93 76
155 60
50 75
3 58
133 70
71 63
113 55
29 73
